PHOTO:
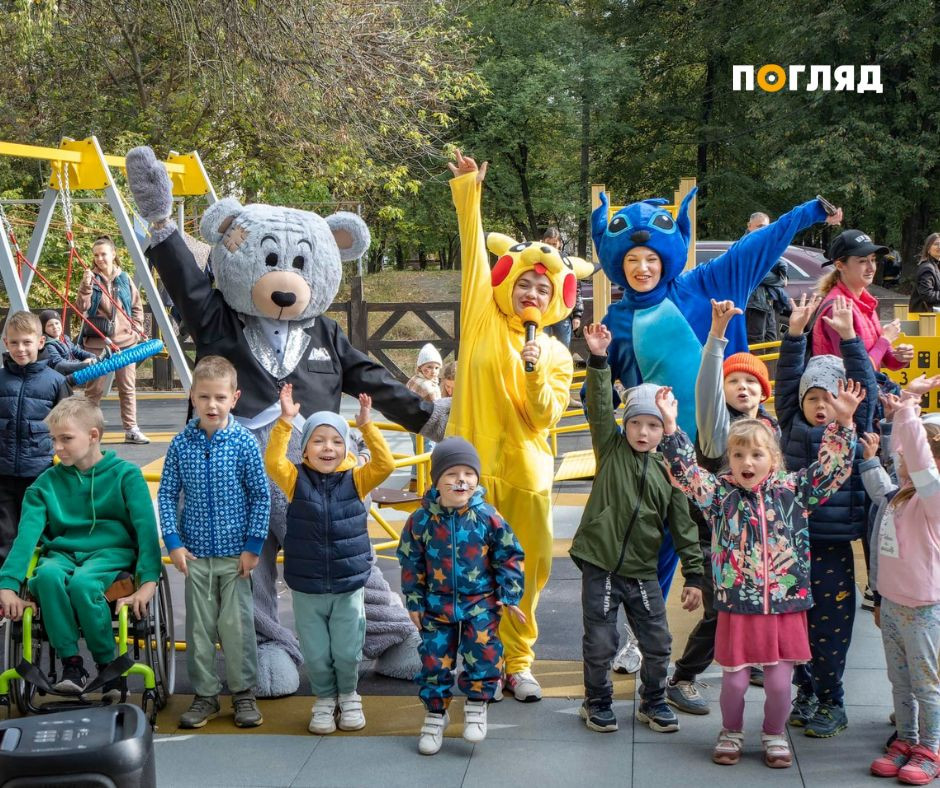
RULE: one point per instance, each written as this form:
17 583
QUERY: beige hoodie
124 334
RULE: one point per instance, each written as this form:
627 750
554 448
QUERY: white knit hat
427 355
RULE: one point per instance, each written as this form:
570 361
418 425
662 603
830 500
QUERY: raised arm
466 187
697 484
711 411
911 437
381 464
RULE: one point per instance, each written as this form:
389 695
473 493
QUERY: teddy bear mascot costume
660 325
276 271
511 388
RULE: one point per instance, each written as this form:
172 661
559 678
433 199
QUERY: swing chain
66 194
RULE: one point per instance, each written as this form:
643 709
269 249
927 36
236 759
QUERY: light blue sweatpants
331 629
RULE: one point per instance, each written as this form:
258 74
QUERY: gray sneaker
247 714
200 712
684 695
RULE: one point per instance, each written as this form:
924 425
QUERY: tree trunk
584 191
422 259
522 170
399 258
701 169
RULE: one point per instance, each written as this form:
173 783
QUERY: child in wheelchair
92 519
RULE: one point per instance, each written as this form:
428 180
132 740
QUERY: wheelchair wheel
22 692
160 643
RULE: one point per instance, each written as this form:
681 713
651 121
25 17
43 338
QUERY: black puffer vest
326 548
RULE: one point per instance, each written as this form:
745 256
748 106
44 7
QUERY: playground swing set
81 165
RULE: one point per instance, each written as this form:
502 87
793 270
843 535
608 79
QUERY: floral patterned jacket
760 537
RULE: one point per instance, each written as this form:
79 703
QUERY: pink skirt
742 640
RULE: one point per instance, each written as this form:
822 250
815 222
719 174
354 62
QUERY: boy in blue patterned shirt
217 464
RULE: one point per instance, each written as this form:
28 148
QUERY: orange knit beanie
752 365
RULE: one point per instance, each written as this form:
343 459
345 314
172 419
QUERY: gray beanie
450 452
822 372
329 418
641 401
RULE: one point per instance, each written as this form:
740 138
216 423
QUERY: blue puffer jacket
227 501
65 356
844 517
27 394
326 547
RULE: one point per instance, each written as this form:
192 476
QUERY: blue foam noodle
132 355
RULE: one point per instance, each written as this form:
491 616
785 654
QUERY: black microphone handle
530 337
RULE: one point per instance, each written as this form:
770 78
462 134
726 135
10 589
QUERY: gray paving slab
389 761
548 764
553 719
231 760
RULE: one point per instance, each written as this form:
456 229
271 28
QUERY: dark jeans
12 490
830 620
700 647
561 331
602 594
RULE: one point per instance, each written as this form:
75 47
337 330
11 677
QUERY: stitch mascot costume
277 270
504 411
660 325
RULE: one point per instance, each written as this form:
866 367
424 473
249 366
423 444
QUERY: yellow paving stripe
386 715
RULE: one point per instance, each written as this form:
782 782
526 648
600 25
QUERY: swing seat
123 358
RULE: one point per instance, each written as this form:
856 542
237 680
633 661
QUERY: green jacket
621 529
107 507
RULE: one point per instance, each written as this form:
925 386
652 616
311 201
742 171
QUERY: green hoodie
107 507
621 529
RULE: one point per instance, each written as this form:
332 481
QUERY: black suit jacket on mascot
277 270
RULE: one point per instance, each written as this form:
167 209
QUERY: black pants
761 326
830 620
12 490
602 594
700 647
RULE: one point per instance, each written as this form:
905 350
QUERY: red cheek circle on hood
501 270
569 290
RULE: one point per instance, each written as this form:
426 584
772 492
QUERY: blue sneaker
684 695
658 716
829 720
598 716
804 707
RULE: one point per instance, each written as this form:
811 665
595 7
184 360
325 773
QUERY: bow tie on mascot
660 327
277 270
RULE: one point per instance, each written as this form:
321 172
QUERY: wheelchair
146 648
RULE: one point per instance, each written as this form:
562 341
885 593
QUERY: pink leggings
777 690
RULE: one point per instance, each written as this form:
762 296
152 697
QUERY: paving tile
496 763
666 764
230 760
388 761
553 719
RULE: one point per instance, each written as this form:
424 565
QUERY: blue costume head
648 224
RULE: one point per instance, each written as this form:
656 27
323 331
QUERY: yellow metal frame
86 168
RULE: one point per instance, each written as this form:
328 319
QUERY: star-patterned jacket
457 563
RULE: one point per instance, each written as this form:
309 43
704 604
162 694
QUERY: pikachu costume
502 410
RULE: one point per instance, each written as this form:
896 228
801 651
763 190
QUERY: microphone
531 317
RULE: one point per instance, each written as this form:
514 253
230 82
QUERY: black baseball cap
852 243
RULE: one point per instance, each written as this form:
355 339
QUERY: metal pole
11 279
38 238
144 279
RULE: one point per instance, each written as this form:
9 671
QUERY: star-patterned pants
832 574
477 641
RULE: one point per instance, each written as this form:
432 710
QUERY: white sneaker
432 733
351 717
474 720
523 686
323 719
628 659
134 435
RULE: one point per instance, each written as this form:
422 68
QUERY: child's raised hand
870 442
364 416
466 164
691 598
841 321
289 408
801 311
597 337
669 408
179 557
845 405
922 384
722 312
890 402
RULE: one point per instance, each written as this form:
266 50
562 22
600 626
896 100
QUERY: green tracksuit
89 526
